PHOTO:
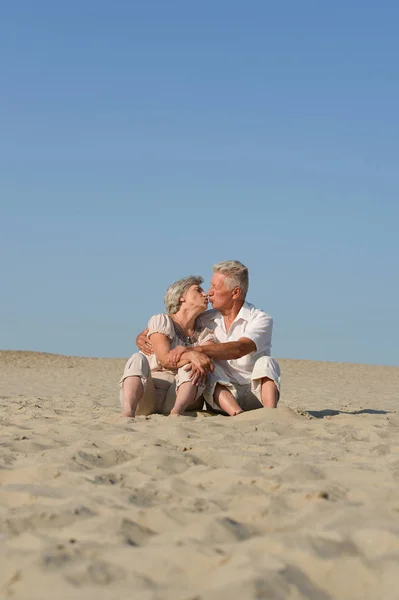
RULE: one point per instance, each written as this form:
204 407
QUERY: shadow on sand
327 412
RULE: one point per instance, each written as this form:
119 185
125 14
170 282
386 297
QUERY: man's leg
226 401
220 392
269 395
265 382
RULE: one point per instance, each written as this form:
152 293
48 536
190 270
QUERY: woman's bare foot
186 395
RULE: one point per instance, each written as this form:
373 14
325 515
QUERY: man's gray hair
176 291
236 274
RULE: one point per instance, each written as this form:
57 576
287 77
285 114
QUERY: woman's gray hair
176 291
236 274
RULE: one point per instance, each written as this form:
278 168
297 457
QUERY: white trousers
248 395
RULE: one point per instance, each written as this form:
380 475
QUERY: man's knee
266 366
267 363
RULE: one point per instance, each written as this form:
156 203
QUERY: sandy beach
298 502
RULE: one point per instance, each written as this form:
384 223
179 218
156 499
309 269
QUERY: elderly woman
168 382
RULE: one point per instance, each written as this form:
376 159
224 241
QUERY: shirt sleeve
206 335
161 324
259 330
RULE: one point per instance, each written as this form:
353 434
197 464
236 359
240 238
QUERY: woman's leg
133 391
226 401
135 379
186 395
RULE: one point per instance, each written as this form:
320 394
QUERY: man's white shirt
250 323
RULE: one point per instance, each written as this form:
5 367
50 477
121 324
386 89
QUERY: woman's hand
143 343
198 367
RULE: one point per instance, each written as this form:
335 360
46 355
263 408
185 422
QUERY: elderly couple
188 355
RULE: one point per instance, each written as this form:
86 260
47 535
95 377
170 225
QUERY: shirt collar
243 315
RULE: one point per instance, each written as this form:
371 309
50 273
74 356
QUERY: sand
298 502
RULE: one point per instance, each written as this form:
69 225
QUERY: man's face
219 294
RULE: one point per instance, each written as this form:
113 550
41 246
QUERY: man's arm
228 350
143 343
257 337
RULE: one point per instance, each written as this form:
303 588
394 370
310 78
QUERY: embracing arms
200 365
257 337
226 351
161 347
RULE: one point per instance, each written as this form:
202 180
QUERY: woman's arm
201 363
161 347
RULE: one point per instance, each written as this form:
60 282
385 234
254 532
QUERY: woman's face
195 298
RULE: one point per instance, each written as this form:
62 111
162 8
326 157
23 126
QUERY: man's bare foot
128 413
229 405
235 413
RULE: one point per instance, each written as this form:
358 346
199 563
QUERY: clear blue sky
144 141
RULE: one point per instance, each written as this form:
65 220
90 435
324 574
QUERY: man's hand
198 367
175 355
143 343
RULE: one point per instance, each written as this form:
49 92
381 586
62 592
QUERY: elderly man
245 375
